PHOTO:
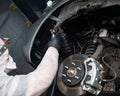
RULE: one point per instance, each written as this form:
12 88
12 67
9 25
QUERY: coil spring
90 49
66 46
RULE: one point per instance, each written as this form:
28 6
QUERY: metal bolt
76 77
73 63
68 80
64 75
49 3
79 68
71 72
66 67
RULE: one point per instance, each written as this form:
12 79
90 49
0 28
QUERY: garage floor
13 26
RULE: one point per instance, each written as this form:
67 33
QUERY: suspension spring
91 48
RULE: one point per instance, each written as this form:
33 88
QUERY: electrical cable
79 45
115 75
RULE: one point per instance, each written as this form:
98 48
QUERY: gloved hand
55 41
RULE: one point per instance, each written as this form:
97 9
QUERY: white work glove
6 62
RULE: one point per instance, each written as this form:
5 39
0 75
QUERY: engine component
75 76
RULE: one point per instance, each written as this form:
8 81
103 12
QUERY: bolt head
49 3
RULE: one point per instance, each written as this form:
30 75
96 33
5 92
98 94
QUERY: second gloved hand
55 42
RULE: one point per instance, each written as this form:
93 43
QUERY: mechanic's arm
40 79
33 84
36 82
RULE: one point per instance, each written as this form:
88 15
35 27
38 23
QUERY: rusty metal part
71 9
110 86
89 77
113 59
98 52
65 88
100 47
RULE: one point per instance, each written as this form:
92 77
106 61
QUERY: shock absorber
66 46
